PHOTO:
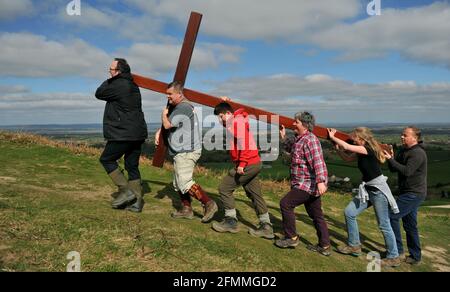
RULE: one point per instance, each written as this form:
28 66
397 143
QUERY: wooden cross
205 99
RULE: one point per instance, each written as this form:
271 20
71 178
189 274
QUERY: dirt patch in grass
7 179
440 207
438 257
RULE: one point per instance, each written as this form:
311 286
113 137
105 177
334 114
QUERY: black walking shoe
410 260
287 242
326 251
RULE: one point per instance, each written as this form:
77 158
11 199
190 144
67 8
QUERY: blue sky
329 57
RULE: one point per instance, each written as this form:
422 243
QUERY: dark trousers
408 205
313 207
114 150
252 186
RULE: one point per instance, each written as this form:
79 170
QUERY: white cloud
153 59
342 100
29 55
136 27
13 9
331 100
12 89
419 34
255 19
19 105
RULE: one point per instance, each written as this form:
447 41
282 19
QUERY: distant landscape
436 138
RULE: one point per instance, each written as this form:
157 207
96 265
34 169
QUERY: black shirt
369 165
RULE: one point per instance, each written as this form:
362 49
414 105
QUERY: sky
328 57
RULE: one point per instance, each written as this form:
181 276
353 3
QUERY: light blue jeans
381 206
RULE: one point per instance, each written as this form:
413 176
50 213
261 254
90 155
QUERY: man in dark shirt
125 130
411 165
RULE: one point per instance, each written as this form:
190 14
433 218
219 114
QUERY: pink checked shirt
308 166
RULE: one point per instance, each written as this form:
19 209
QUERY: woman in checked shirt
309 179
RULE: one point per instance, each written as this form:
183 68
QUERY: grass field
55 200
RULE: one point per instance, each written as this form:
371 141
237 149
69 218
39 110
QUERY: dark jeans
408 205
313 207
114 150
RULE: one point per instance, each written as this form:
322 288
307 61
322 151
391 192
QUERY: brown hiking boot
185 213
209 209
392 263
350 250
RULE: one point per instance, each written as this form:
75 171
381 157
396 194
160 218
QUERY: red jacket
243 149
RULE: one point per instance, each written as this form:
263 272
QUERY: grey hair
307 120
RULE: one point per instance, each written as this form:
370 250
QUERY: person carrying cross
309 178
245 156
184 141
125 130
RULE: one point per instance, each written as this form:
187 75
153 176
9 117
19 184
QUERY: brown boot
350 250
209 206
197 192
185 213
209 209
391 263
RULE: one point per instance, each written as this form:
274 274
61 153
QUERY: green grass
53 202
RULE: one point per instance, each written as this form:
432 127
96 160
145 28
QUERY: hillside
55 199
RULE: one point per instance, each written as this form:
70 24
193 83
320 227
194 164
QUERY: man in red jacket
244 153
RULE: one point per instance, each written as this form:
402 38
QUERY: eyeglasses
112 69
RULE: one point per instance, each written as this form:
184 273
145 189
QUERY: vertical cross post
180 75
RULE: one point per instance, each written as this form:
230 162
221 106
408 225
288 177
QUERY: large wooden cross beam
205 99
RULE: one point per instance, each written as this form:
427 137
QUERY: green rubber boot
136 187
125 196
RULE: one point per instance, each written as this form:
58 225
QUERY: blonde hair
366 135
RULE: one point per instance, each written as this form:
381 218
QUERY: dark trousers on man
114 150
313 207
408 205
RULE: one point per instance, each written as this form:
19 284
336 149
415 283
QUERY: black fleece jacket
123 119
411 165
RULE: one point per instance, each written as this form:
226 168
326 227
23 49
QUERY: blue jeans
408 205
381 206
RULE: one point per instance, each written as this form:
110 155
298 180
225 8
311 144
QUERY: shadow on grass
337 238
